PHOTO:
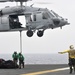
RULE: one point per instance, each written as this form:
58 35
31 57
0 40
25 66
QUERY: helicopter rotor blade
14 0
3 0
43 3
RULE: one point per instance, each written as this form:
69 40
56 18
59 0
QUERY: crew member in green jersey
15 58
21 60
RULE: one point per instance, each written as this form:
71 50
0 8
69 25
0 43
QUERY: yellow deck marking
47 71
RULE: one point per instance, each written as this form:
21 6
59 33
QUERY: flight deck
38 69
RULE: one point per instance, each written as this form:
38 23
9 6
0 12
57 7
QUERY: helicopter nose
66 22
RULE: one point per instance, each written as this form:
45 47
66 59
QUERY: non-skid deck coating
58 69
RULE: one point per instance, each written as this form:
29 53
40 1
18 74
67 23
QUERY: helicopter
36 18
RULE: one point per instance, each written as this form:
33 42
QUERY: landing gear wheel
40 33
29 33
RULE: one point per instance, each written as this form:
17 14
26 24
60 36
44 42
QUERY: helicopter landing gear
40 33
29 33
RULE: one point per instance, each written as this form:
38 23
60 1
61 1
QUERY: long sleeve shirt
21 57
71 53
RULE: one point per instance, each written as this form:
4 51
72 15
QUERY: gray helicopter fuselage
36 19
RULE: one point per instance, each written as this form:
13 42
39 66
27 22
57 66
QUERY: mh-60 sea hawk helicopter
38 19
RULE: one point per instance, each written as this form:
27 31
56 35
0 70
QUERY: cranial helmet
71 47
15 52
19 53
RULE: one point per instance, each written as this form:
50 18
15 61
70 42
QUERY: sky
53 40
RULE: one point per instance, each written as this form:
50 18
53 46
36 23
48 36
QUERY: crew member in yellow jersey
71 56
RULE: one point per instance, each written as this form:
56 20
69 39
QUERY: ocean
40 58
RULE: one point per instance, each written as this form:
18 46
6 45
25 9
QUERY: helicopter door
22 20
4 23
38 17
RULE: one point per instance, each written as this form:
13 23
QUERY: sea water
40 58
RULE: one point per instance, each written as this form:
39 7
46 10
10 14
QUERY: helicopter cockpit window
45 15
34 17
56 14
31 17
51 14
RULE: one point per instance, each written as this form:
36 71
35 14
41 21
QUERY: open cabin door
22 20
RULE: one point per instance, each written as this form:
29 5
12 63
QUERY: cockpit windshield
52 14
45 15
56 15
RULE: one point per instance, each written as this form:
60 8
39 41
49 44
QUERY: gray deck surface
36 68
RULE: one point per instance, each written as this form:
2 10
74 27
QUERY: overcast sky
53 41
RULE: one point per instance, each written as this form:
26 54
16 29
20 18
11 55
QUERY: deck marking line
46 71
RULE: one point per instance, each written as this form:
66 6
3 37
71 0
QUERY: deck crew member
15 58
71 57
21 60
